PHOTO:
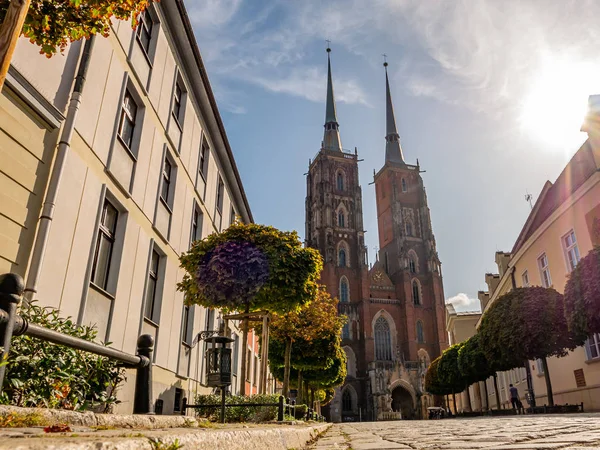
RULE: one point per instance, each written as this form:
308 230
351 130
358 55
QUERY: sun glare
554 109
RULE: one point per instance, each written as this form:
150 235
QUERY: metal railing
11 324
285 407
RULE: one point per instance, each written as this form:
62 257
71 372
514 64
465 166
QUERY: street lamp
218 363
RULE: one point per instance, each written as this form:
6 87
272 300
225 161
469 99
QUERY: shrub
43 374
301 411
238 413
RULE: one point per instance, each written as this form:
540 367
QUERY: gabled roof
581 167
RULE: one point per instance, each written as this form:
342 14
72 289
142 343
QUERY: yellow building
461 325
562 227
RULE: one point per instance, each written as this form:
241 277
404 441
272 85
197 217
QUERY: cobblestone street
574 432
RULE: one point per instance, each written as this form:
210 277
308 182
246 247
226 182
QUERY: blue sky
488 95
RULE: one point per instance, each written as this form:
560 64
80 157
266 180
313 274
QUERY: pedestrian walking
514 397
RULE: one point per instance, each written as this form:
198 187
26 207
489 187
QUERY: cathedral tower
407 247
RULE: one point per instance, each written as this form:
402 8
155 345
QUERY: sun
557 101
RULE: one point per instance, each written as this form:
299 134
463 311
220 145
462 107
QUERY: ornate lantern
218 360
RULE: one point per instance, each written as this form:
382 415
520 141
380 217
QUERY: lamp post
218 363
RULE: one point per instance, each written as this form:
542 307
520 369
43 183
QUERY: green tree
313 331
526 324
449 374
474 365
250 267
582 297
433 384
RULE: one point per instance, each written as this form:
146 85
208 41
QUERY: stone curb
268 438
90 419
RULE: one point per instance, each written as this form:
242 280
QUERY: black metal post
183 406
11 289
142 401
280 409
222 404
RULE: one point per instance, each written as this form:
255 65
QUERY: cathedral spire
331 139
393 150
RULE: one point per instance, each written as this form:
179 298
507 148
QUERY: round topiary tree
448 372
525 324
582 297
250 267
473 364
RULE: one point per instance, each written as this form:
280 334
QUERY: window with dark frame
197 219
166 181
144 31
177 102
220 193
149 308
178 398
185 329
232 216
104 246
203 165
127 120
415 293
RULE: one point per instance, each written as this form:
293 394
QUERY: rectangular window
144 31
540 366
127 120
592 346
203 163
525 279
104 246
149 310
186 326
571 250
197 219
177 101
166 181
232 216
220 194
255 379
248 364
544 270
178 398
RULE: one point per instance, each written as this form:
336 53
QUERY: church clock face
378 276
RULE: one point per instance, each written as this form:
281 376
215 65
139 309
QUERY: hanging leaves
53 24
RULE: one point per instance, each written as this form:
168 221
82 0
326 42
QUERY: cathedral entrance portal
402 401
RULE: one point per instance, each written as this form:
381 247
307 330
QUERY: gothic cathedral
395 309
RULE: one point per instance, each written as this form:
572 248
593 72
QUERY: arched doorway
402 401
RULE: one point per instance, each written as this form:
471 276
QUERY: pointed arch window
346 331
347 401
342 257
341 219
412 264
383 341
404 185
416 294
344 296
340 181
420 335
409 228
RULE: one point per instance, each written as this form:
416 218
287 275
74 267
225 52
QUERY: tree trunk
548 382
312 398
10 30
286 368
497 392
530 385
487 397
454 401
299 389
244 351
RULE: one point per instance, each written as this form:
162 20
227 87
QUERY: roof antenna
528 198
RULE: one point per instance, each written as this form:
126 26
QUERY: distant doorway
402 401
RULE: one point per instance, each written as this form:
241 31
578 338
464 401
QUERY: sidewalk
114 432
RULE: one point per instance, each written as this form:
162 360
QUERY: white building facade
148 170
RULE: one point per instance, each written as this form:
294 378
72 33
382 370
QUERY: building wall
578 212
99 168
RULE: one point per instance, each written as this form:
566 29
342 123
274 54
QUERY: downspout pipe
45 222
